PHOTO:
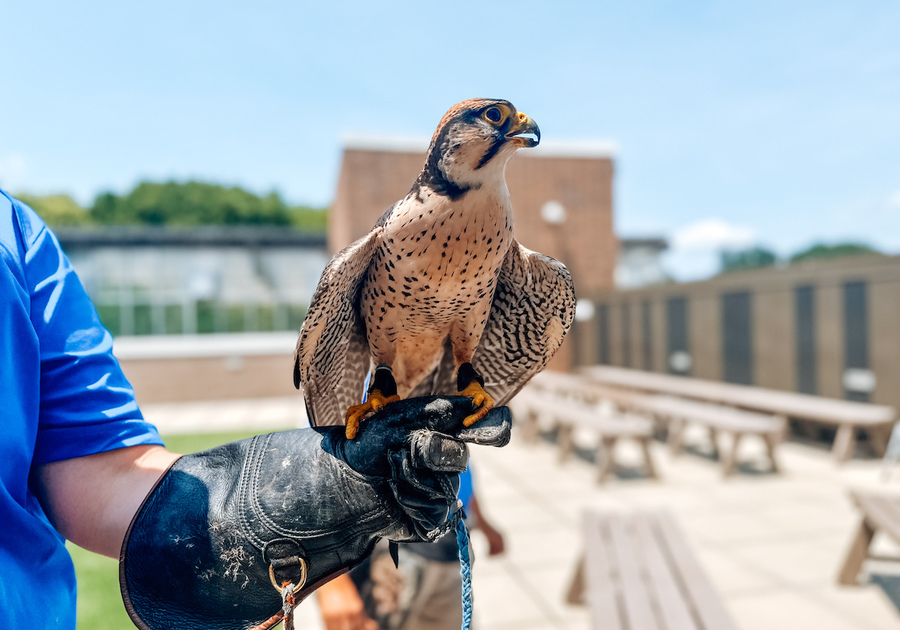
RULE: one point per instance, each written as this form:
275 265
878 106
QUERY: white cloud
696 248
13 169
894 199
713 234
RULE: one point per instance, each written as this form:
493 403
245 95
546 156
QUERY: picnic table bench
639 573
718 420
579 387
847 416
568 410
880 513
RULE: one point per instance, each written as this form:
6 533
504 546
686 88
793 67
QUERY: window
603 332
805 333
626 335
679 357
858 378
647 325
737 338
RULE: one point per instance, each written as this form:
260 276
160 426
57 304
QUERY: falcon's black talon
383 381
466 375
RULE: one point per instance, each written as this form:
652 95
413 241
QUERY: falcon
439 298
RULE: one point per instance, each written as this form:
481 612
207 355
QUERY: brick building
576 181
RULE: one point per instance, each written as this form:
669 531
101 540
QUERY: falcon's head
473 143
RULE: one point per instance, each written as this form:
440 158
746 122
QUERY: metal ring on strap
300 583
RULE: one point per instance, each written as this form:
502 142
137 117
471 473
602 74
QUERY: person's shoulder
20 226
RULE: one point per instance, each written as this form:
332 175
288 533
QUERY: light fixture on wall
553 212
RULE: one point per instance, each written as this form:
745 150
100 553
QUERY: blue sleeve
465 487
86 404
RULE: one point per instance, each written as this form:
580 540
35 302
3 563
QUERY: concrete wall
774 339
208 367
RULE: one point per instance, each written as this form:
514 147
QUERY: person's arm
91 500
93 458
341 606
496 545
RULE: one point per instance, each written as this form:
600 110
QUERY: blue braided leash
465 569
462 544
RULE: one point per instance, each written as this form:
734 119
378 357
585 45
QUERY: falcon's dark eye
493 115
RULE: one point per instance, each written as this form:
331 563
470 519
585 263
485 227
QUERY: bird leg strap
292 510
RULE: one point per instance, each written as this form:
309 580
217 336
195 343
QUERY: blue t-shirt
63 396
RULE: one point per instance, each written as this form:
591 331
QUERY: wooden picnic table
847 416
717 419
638 572
570 415
880 513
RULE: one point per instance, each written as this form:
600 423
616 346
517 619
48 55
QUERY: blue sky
772 122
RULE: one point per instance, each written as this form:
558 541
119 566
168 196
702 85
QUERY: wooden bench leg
565 435
844 442
676 436
575 592
530 426
604 457
772 440
878 439
856 555
714 441
730 461
648 459
808 429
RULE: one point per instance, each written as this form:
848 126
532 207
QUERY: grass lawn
99 602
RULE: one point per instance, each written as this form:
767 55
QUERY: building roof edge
577 148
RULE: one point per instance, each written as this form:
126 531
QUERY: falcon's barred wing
532 310
332 356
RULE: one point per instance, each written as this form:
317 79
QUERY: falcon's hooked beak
524 132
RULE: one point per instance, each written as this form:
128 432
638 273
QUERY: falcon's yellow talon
481 399
375 402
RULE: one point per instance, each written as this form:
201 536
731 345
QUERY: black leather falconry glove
224 529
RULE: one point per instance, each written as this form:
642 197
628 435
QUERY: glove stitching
249 498
249 472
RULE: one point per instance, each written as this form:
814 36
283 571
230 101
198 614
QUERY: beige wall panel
635 349
583 339
884 341
705 325
210 378
829 314
774 342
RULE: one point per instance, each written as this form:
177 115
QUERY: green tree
753 258
825 252
309 219
57 210
190 203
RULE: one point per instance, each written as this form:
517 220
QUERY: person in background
424 590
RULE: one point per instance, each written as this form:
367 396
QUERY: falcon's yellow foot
375 401
481 399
